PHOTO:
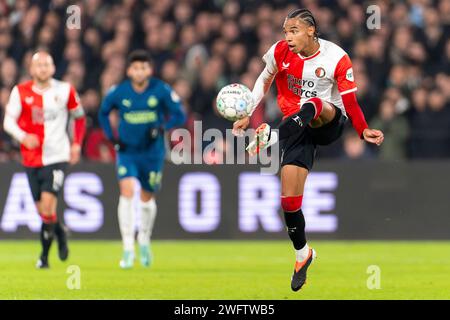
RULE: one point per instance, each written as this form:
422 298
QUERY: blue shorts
148 170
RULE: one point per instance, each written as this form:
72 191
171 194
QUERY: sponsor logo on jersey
349 75
152 101
302 87
320 72
50 115
285 65
140 117
37 115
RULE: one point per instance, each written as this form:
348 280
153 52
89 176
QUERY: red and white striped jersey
327 74
44 113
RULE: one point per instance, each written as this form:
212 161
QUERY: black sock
47 234
295 222
297 122
59 231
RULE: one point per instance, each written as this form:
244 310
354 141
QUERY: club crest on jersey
126 102
152 102
320 72
122 171
29 100
285 65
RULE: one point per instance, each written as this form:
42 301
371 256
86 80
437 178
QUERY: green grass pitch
230 270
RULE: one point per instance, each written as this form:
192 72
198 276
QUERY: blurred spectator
354 147
430 125
395 129
97 147
8 73
199 46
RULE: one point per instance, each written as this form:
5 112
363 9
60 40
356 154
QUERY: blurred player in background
37 116
147 107
316 93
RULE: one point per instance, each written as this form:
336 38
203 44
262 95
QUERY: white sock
148 214
126 222
302 254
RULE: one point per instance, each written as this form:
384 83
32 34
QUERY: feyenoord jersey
44 113
327 74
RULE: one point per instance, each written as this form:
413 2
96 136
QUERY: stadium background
397 191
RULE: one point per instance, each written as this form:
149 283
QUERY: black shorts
300 149
48 178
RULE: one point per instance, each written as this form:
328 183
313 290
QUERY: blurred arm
103 115
77 113
262 85
347 88
12 114
266 77
354 112
174 110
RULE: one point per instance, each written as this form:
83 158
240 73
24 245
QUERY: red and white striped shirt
327 74
44 113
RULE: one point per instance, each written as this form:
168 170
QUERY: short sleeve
74 100
269 59
14 105
344 76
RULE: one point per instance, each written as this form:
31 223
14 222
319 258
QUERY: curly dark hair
306 16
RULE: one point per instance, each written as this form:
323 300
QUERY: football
234 101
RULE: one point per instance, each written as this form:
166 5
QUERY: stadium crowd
198 46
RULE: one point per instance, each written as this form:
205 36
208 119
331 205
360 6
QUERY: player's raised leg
125 212
314 112
293 180
148 214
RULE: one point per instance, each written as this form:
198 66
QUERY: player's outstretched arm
262 85
347 87
373 136
358 121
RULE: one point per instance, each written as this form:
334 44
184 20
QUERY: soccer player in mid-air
147 107
316 94
36 116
